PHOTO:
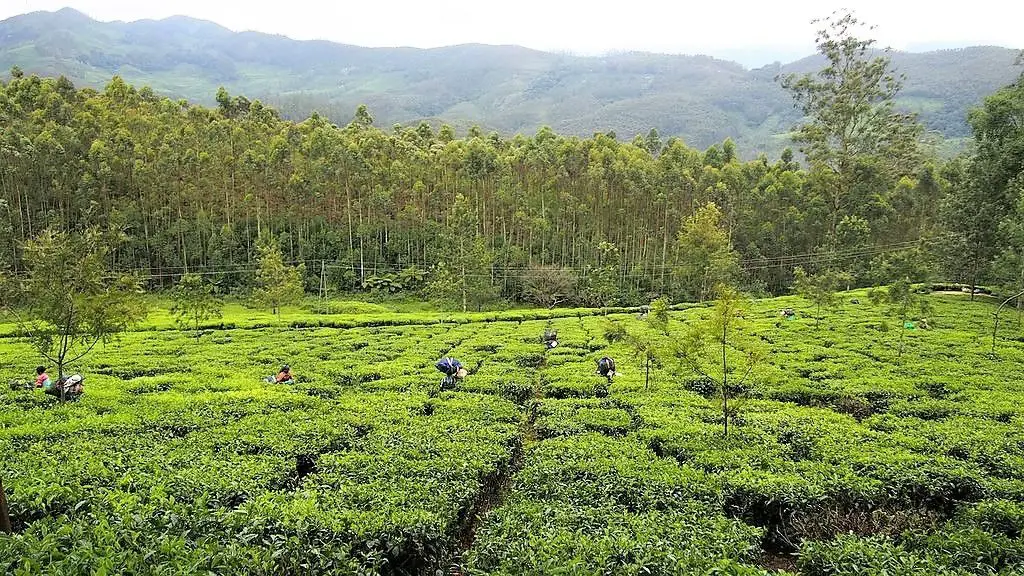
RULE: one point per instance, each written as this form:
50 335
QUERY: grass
844 459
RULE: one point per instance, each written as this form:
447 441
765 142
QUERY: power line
748 265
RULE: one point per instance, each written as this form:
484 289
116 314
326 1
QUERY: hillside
843 458
505 88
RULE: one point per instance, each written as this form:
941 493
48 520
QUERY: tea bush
844 458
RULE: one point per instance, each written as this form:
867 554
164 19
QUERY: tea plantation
843 459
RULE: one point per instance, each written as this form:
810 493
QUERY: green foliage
465 282
277 284
954 552
601 286
706 350
614 332
854 462
194 303
541 218
1009 264
68 302
627 512
705 257
409 279
653 142
904 303
854 139
8 243
648 343
982 210
463 276
988 187
821 289
657 316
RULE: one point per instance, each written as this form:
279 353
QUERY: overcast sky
754 32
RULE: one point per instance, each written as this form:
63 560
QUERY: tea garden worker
606 368
550 339
65 388
43 379
285 375
70 386
453 372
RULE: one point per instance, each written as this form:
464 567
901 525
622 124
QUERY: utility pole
323 280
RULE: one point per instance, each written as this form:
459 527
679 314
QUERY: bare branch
85 353
692 363
750 370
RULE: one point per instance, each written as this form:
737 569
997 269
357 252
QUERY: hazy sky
752 31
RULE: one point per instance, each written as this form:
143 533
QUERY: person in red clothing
65 388
43 379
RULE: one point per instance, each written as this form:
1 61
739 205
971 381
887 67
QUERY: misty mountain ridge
510 89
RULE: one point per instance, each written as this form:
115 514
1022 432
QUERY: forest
542 218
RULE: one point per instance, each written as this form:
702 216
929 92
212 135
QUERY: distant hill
505 88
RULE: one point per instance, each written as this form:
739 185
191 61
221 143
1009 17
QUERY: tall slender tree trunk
664 247
1020 283
348 213
227 199
505 239
462 258
5 517
903 330
543 217
362 264
974 276
181 239
28 214
725 380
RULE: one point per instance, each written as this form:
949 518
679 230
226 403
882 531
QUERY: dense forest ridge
595 221
236 194
506 89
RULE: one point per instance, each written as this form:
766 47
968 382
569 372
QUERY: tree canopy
68 301
277 284
477 217
854 138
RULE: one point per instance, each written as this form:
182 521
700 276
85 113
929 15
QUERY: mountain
505 88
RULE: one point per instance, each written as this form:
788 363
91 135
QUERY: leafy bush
180 459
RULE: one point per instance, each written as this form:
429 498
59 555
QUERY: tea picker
606 368
71 387
66 387
43 379
550 339
453 372
284 376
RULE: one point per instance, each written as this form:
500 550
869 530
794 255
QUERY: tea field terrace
844 458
